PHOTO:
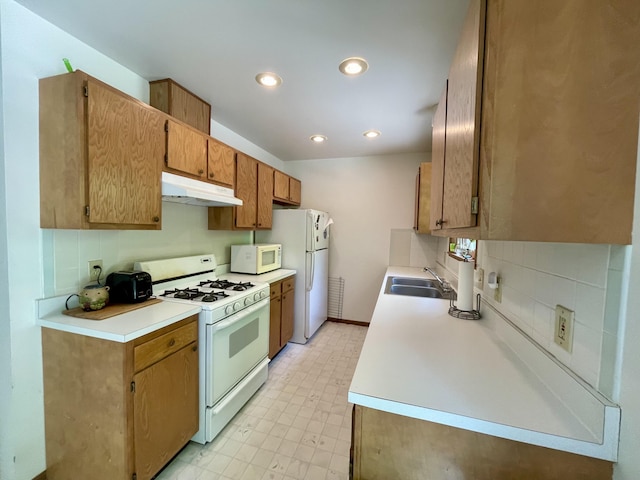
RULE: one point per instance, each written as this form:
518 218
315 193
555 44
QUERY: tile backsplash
535 277
184 232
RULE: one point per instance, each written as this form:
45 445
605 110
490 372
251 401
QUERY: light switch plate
563 335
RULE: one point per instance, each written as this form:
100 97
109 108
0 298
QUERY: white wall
367 197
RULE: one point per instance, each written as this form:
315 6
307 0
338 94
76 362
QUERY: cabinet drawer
287 284
160 347
276 289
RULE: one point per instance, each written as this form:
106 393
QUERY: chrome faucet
446 286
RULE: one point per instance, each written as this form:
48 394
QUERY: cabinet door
125 149
246 184
221 163
275 312
286 327
165 409
463 122
437 162
280 185
423 203
186 149
295 190
265 195
187 107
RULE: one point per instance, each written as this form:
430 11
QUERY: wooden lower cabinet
281 314
119 410
388 446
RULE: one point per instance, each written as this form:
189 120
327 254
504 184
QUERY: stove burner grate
226 285
214 296
183 293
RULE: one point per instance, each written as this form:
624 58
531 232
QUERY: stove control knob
257 296
236 306
228 310
247 302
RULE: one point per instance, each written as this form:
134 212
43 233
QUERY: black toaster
129 286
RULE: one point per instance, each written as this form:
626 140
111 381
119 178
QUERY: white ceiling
215 48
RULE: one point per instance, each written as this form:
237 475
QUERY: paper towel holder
493 280
465 314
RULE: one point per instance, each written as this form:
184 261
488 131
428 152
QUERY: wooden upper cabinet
463 120
559 111
286 189
186 150
246 190
423 198
438 141
265 196
100 156
175 100
295 190
254 186
221 163
280 185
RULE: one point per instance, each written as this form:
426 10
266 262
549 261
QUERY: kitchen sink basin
418 282
417 287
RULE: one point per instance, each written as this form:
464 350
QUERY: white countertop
119 328
268 277
420 362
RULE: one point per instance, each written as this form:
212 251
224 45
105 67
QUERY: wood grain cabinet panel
286 189
438 141
186 150
554 153
265 196
100 156
172 98
221 165
423 199
108 418
254 186
385 446
281 320
165 409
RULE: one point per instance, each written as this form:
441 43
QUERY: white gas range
233 332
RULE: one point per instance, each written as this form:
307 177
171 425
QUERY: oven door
234 346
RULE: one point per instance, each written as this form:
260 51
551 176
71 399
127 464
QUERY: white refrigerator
304 235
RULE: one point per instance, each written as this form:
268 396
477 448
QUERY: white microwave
256 259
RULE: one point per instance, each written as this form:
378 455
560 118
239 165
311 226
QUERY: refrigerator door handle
312 264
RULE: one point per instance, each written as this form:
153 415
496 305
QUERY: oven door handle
239 316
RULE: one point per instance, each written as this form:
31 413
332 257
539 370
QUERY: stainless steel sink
417 287
419 282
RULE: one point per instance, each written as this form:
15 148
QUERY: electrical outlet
95 272
479 277
564 327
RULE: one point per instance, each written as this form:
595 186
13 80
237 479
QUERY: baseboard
42 476
350 322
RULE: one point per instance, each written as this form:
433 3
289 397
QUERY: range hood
178 189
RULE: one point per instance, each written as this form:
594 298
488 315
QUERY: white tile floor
297 426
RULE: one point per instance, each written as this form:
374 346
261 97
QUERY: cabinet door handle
172 342
200 171
194 348
156 219
440 222
211 175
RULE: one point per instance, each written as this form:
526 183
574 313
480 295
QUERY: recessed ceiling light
268 79
353 66
371 133
318 138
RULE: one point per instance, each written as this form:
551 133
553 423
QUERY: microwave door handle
311 272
